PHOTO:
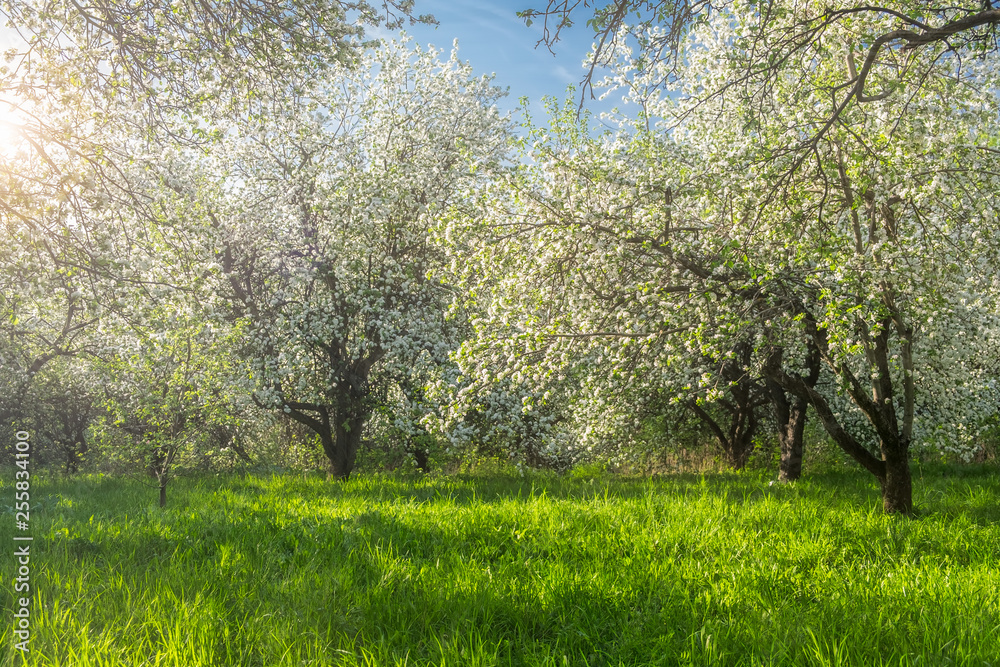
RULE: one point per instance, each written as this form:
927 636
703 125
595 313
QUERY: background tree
165 393
580 290
320 222
95 90
866 250
59 407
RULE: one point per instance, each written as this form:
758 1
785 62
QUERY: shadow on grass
466 490
531 567
973 493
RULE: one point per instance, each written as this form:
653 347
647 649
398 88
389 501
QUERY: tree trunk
348 440
339 434
742 445
791 419
74 451
744 394
791 414
897 484
790 435
340 425
163 491
893 469
744 397
737 444
421 459
342 438
415 394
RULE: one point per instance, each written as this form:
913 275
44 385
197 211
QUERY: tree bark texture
339 429
897 483
791 413
790 435
892 467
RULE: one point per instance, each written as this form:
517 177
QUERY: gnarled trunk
896 483
744 398
892 470
790 435
791 414
340 429
737 441
347 440
742 445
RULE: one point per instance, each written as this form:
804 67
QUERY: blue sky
494 40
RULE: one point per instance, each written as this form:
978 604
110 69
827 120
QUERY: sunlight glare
11 125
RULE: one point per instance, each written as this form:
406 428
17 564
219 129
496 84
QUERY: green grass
713 570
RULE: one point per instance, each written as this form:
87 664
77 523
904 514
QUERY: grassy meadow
497 569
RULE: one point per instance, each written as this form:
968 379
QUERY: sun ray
12 125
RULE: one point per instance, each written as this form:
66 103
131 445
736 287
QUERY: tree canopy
222 211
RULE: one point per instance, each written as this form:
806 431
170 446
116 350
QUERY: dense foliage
237 231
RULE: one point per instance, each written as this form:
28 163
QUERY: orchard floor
507 570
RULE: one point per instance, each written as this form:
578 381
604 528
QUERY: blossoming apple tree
320 219
87 89
793 212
